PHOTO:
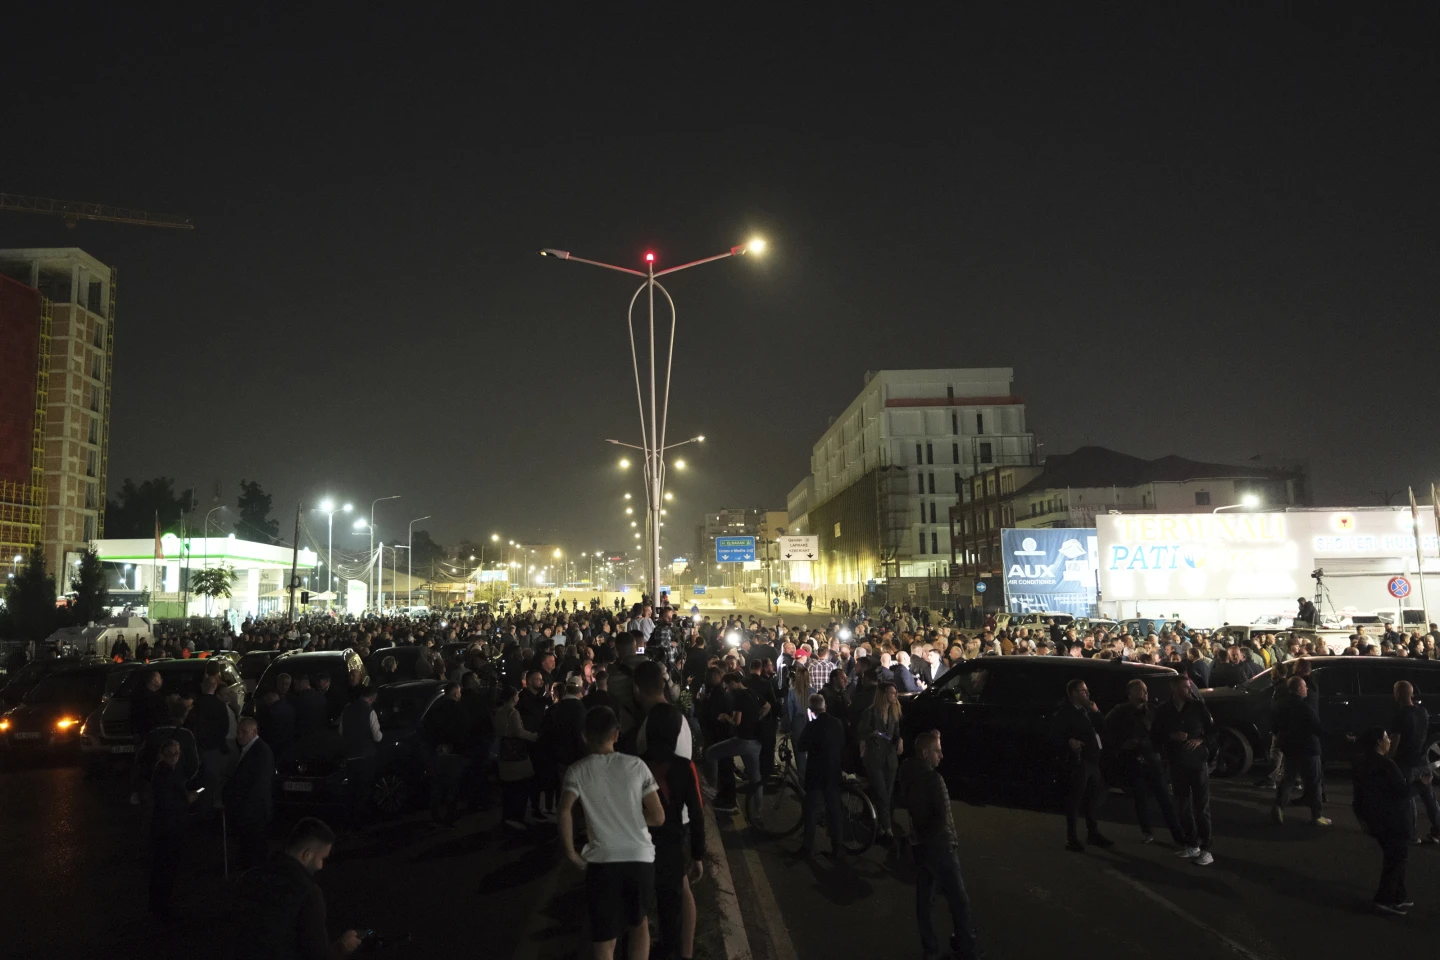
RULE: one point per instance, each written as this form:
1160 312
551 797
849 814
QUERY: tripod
1322 597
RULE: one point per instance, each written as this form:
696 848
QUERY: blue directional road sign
980 586
699 589
734 549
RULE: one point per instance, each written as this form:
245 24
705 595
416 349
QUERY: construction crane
74 212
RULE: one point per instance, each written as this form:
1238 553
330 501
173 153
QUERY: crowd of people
613 712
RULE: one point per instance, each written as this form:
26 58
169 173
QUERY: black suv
407 663
336 664
50 717
313 773
32 673
1354 693
993 713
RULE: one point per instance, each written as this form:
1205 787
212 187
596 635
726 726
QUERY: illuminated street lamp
653 434
1248 502
328 506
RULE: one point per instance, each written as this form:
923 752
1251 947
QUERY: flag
1435 505
159 551
1414 517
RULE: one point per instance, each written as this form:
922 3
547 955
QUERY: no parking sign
1399 587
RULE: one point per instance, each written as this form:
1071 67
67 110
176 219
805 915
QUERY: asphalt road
1273 892
75 884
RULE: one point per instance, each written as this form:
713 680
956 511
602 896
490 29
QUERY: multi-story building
1072 488
64 324
886 472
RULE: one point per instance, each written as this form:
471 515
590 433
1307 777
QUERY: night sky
1203 233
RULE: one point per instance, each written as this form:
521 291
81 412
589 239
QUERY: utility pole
294 566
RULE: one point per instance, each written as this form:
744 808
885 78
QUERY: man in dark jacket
360 732
823 742
1409 731
168 819
249 794
149 749
1197 668
923 792
1297 733
1184 725
147 704
1128 728
1385 810
210 722
280 911
277 722
1075 729
446 727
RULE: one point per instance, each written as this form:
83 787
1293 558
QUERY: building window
922 511
89 529
1202 499
986 456
955 423
950 392
837 531
967 525
922 541
932 483
934 542
989 519
932 512
984 556
979 423
958 485
954 453
918 458
1035 508
94 430
929 453
921 478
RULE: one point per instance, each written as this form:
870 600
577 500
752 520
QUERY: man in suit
823 742
248 795
1076 729
932 669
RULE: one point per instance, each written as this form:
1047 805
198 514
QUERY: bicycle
779 810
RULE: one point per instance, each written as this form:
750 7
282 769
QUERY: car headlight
4 724
65 723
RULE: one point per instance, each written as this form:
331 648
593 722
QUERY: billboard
1050 570
1250 556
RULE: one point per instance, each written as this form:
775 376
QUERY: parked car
336 664
1142 627
110 732
49 719
993 714
407 663
32 673
1354 693
313 774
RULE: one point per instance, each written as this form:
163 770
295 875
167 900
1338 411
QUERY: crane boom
74 211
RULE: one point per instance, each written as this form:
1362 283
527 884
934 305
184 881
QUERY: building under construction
57 311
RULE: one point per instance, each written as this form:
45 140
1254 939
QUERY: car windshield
63 687
401 707
252 665
31 672
963 683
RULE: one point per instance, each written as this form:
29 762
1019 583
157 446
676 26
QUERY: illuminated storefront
1233 567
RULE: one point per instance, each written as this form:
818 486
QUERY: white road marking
732 924
1183 914
765 901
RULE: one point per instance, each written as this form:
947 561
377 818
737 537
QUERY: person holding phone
1076 729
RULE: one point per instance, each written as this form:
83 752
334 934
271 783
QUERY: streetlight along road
653 437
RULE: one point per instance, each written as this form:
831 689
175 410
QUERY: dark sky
1206 233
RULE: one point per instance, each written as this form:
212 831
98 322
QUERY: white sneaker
1188 853
1204 860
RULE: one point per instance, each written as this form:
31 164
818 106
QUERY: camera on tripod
1318 573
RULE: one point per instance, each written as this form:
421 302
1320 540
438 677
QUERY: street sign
980 586
1399 587
910 588
734 549
469 592
945 587
699 590
799 548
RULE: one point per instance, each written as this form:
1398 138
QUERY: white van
98 637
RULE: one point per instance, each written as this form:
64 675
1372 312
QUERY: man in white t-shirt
621 801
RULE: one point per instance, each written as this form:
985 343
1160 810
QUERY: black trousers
669 884
1395 851
1146 779
1192 797
1087 788
166 851
252 843
768 726
360 777
1308 770
827 797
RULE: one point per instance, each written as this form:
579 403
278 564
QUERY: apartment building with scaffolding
57 310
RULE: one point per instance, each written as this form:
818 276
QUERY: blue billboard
1051 570
734 549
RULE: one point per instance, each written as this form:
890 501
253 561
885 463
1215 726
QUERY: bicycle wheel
778 811
861 824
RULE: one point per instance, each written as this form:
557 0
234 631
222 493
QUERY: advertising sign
734 549
1050 570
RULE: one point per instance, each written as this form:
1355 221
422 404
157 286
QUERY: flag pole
1419 560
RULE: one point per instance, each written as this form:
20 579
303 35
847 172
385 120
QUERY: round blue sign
1399 587
980 586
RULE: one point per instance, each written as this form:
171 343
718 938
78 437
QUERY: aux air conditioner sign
1050 570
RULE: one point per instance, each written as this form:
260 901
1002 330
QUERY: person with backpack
680 798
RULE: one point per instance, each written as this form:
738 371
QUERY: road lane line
732 924
765 900
1183 914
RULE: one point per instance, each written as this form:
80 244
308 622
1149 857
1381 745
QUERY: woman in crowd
880 748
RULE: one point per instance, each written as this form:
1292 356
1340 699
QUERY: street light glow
679 464
629 510
757 245
327 505
669 495
1250 500
627 496
624 464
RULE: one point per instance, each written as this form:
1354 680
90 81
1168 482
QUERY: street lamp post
1248 502
329 507
410 559
206 561
653 439
372 527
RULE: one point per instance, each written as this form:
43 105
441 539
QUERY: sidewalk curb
732 924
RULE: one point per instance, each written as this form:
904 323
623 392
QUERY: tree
214 582
88 584
255 522
424 550
133 514
30 612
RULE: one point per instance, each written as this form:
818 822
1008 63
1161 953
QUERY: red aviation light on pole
649 258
